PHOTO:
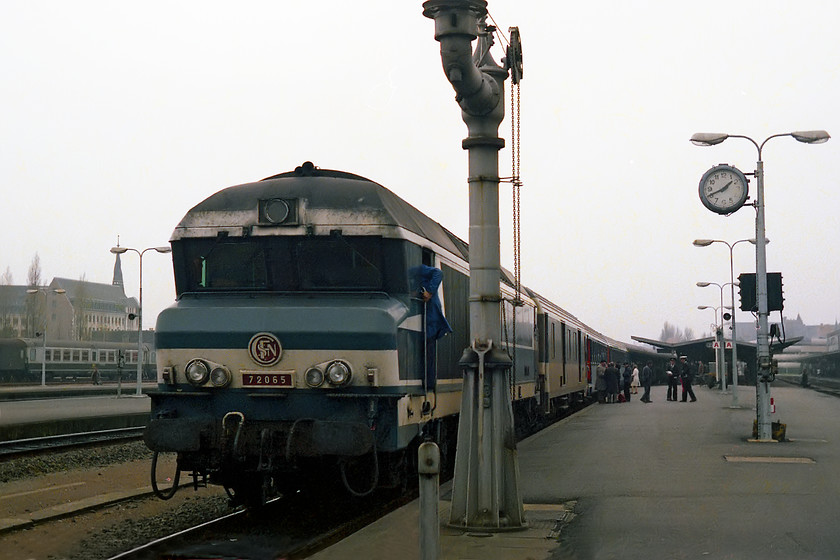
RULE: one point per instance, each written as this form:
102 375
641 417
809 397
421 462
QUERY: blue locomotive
296 355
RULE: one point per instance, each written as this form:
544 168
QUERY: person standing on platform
428 280
634 382
601 381
612 377
626 380
646 379
686 376
673 379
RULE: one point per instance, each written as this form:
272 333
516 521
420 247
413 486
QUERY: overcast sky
118 117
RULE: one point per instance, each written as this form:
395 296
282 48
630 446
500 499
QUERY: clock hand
723 188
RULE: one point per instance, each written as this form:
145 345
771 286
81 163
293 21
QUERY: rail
33 446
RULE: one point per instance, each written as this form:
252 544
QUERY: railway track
829 386
286 527
34 446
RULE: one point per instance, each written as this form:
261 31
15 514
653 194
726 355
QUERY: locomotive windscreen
289 263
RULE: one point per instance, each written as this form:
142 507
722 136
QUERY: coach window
65 355
524 327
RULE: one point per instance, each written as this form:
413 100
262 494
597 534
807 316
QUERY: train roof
326 197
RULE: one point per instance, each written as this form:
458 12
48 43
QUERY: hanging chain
517 237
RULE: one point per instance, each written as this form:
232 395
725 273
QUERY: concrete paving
64 411
660 480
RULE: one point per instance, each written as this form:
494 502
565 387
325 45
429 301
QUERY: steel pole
762 388
44 357
734 336
722 344
428 472
140 330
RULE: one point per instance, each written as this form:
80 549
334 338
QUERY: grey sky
120 116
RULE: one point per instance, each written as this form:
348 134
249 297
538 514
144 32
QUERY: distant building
811 334
84 311
833 341
816 340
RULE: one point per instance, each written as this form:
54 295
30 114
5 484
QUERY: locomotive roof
350 200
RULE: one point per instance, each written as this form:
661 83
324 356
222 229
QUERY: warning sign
728 345
716 345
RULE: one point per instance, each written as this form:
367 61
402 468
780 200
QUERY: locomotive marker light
44 357
485 489
119 251
762 391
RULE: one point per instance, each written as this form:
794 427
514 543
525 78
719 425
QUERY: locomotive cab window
232 265
337 262
288 264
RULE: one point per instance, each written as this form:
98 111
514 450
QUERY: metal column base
485 489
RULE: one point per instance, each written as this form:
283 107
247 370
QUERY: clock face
723 189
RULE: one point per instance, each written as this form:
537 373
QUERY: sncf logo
265 349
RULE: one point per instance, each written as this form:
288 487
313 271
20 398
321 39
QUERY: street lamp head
163 249
704 307
811 136
702 242
55 290
703 284
708 138
118 250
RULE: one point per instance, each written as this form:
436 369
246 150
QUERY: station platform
29 412
661 480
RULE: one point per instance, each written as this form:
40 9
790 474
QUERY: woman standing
634 383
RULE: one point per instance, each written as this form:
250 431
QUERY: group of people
680 373
616 382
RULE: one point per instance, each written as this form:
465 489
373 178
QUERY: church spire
118 277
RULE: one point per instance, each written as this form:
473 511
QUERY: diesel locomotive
295 354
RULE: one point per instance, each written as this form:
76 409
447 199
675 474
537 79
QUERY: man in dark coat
673 379
612 376
428 281
686 376
646 379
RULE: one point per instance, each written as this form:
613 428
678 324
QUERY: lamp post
706 243
762 391
720 365
120 251
44 356
723 354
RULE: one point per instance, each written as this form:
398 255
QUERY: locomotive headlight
314 377
197 372
338 373
220 376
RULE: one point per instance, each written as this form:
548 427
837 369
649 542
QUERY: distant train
21 360
294 355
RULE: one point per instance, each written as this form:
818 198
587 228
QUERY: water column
485 494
